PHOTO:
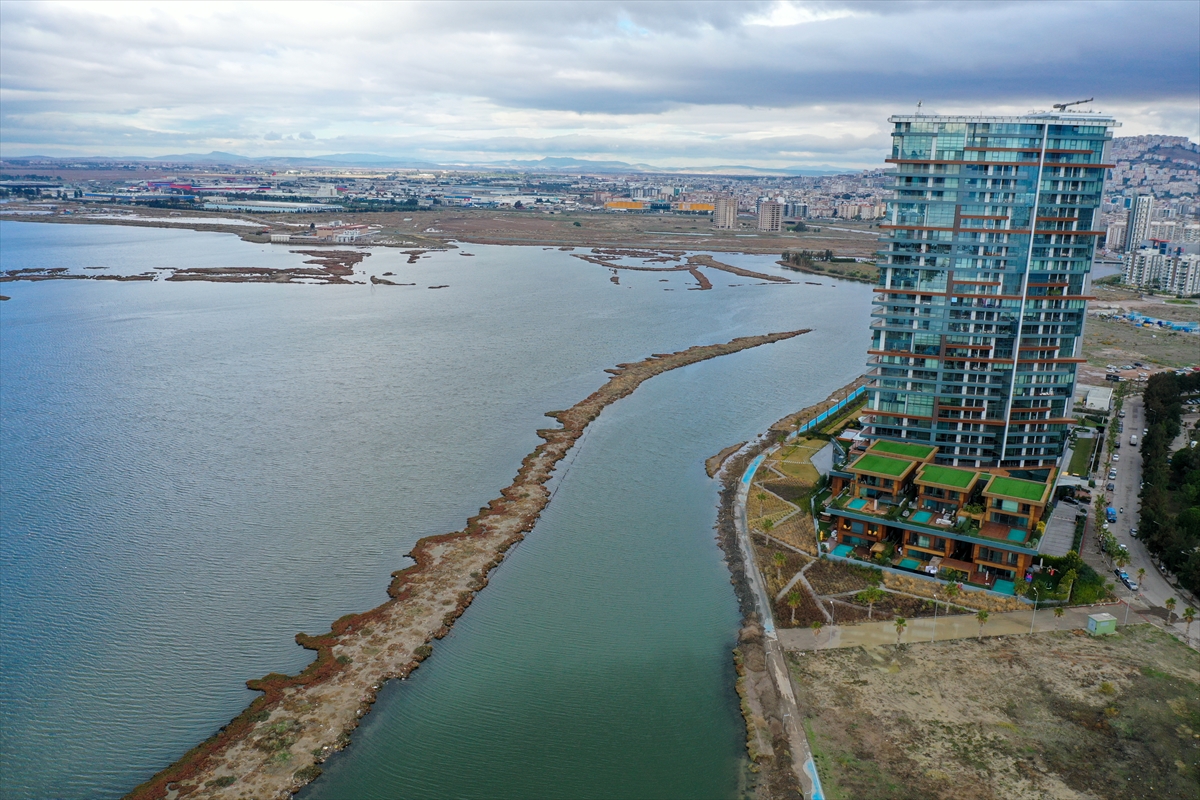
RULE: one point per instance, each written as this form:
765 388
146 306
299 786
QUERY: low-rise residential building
893 504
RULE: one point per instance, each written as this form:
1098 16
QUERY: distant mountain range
549 164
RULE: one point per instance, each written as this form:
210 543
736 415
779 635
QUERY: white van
1133 440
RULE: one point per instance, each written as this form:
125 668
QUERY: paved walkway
956 626
802 761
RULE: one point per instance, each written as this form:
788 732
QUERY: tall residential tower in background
983 264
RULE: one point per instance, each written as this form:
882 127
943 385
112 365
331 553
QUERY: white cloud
785 15
769 84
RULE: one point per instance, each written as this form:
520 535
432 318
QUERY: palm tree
871 595
982 616
1058 615
1141 575
1189 616
780 561
762 497
1170 604
951 592
793 601
816 629
768 525
901 623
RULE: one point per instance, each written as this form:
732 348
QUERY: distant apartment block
725 213
1138 226
770 216
1114 238
979 312
1165 268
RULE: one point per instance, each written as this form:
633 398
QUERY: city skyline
766 85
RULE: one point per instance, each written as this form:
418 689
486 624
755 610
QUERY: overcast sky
672 84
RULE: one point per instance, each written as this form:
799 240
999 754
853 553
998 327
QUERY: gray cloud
767 82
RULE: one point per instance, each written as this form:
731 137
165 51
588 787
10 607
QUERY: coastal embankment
277 744
772 738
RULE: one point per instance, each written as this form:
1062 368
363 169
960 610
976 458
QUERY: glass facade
983 264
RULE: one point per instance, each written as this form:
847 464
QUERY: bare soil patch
1054 715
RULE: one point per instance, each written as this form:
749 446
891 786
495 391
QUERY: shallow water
194 472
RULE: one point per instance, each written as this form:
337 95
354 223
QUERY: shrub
309 773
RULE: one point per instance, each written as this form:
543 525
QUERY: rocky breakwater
276 745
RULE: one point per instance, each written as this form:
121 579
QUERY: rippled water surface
191 473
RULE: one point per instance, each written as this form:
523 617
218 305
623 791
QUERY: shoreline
274 747
768 744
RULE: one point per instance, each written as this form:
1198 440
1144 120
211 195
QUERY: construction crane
1063 106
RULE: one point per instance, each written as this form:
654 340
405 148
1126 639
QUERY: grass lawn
947 476
1081 456
1014 487
902 448
881 465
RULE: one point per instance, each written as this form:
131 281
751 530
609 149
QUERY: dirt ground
1054 715
441 226
1107 342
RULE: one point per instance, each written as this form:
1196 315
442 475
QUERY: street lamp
1035 602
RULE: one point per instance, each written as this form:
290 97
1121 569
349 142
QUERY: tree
780 561
1067 585
1141 575
871 595
901 623
951 590
1170 604
816 629
768 525
1058 615
762 498
793 601
982 616
1189 616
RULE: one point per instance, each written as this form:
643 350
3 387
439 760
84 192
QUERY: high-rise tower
983 263
1137 230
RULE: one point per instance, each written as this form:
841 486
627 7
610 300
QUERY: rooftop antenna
919 102
1063 106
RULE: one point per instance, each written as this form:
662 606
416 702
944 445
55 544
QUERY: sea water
191 473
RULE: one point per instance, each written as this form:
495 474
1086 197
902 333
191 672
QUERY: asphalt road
1154 589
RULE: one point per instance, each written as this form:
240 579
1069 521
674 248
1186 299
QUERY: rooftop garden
904 449
881 465
949 477
1029 491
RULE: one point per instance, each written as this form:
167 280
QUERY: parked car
1120 573
1116 456
1112 474
1145 431
1112 487
1133 532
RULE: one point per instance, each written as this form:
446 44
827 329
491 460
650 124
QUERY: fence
831 412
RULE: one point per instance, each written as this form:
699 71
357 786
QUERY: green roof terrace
959 480
1017 489
882 466
920 452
